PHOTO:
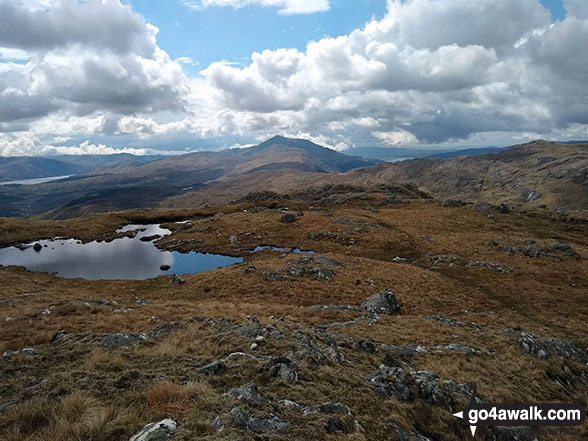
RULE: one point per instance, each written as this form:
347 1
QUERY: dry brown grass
118 395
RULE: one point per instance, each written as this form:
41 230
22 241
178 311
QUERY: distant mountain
537 173
468 152
27 167
132 185
393 154
19 168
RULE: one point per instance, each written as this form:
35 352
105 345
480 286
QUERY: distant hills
537 173
27 167
135 183
392 154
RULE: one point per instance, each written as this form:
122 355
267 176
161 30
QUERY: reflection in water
124 258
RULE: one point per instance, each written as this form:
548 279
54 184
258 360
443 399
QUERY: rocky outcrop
160 431
240 419
247 392
288 218
544 347
122 339
215 368
383 302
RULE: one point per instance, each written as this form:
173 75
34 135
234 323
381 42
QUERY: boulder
330 407
247 392
453 203
366 346
122 339
383 302
214 368
564 248
391 382
241 420
177 280
288 218
283 368
160 431
37 247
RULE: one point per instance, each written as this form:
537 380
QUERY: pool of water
121 259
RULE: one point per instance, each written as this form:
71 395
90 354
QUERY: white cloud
429 71
287 7
185 60
396 138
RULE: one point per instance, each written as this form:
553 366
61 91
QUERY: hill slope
538 173
131 185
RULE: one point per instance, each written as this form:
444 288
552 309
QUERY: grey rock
453 203
22 351
177 280
269 425
247 392
330 407
348 221
328 261
366 346
160 431
429 389
544 347
482 207
288 218
165 328
307 348
283 368
150 238
492 266
297 271
327 235
391 382
446 320
334 308
533 346
217 424
215 368
383 302
564 248
122 339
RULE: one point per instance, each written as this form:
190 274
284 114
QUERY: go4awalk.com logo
478 414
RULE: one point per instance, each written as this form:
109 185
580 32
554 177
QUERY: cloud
287 7
396 138
82 57
429 71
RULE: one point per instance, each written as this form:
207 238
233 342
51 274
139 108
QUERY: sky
152 76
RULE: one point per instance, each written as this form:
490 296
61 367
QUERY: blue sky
96 76
223 33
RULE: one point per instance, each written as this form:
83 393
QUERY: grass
78 390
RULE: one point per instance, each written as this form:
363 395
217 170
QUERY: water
122 259
35 181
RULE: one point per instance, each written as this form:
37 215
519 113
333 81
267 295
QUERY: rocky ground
380 334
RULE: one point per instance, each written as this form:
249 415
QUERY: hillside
26 167
528 175
285 346
132 185
20 168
